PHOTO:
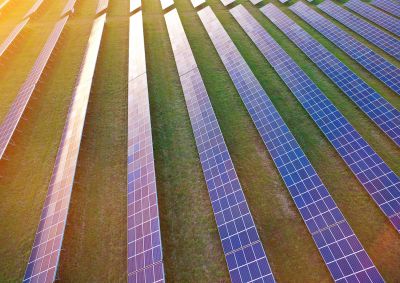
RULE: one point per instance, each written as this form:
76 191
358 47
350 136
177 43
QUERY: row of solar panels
342 252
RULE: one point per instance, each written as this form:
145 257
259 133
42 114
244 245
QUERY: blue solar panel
241 244
316 206
375 106
374 15
378 179
388 6
374 63
378 37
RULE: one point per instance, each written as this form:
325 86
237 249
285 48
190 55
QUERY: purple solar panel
244 253
34 8
43 262
388 6
374 15
316 206
17 109
378 37
68 7
144 238
12 36
370 60
379 110
103 4
382 184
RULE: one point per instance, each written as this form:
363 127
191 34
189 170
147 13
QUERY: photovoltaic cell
17 109
144 237
378 37
374 15
68 7
378 179
388 6
34 8
103 4
374 63
43 262
241 244
311 197
134 5
12 36
370 102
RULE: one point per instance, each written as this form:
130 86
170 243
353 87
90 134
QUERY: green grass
94 247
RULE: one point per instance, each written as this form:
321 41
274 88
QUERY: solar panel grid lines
144 237
134 5
379 110
378 37
69 7
197 3
316 206
13 117
166 4
12 36
388 6
103 5
43 261
371 61
374 15
382 184
34 8
244 253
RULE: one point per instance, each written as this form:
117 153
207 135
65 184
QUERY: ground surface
94 246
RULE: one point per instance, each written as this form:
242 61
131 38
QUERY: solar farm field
151 141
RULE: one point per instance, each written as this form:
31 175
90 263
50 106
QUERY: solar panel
241 244
134 5
316 206
103 4
379 110
34 8
378 37
12 36
371 61
69 7
43 262
374 15
382 184
197 3
388 6
144 236
166 4
17 109
227 2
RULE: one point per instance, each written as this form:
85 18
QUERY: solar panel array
166 4
241 244
144 237
378 179
12 36
378 37
370 102
374 15
43 262
68 7
34 8
103 4
340 248
374 63
17 109
134 5
388 6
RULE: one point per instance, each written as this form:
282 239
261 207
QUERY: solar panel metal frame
370 60
374 35
12 36
378 109
316 206
376 16
388 6
144 257
381 183
43 261
17 109
245 256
